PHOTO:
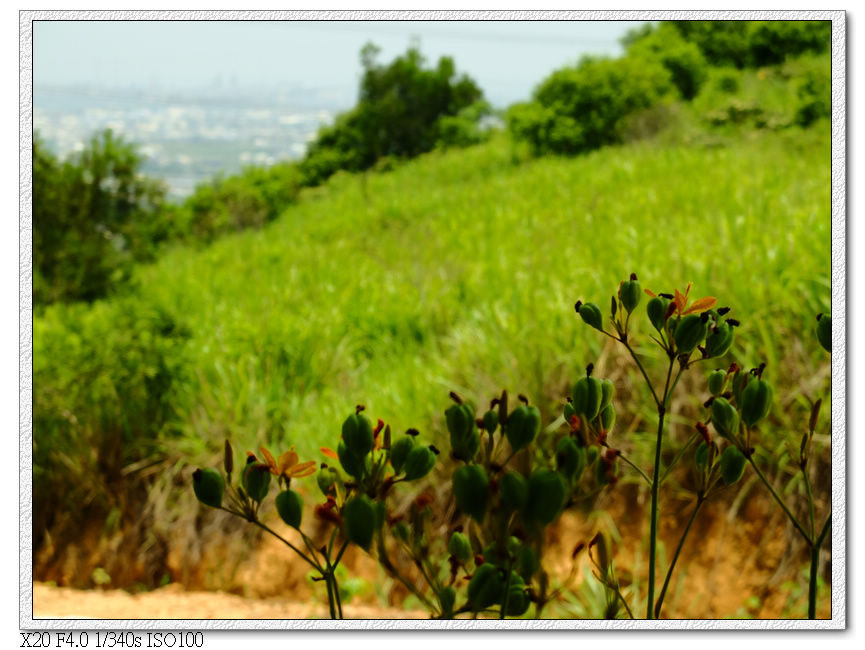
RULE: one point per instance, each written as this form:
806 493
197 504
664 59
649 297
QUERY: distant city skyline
506 58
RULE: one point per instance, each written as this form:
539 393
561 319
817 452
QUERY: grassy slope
459 271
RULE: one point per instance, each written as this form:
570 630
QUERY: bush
248 200
684 60
754 43
398 114
93 216
465 128
104 378
814 92
585 107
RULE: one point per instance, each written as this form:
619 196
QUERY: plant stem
697 506
643 370
815 565
282 539
328 577
641 472
780 502
656 483
678 456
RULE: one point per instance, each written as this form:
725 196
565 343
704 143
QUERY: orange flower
288 465
681 306
330 453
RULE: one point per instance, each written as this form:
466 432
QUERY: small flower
330 453
680 302
288 465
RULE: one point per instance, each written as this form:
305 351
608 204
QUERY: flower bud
756 400
513 492
209 486
719 340
460 547
689 333
463 433
419 463
570 459
289 505
591 314
657 311
491 421
608 418
725 418
256 481
471 490
608 389
485 588
523 425
357 435
326 477
630 294
546 496
717 379
399 451
732 465
587 397
824 331
701 456
359 516
350 463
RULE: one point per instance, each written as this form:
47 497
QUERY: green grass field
456 271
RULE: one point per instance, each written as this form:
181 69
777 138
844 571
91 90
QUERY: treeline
95 216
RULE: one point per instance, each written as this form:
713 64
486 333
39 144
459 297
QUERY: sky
506 58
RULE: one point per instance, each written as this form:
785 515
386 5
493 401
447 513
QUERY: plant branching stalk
697 506
639 471
642 370
678 456
656 483
815 566
780 502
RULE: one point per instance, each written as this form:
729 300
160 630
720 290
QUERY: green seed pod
493 556
719 340
824 332
756 400
587 397
486 587
717 379
608 389
399 451
447 598
547 493
491 421
513 491
518 601
419 463
350 463
568 411
357 435
209 486
471 490
527 562
325 478
732 465
725 417
569 457
630 294
463 432
602 473
592 455
591 314
608 418
689 333
523 425
359 517
289 505
657 311
460 547
256 481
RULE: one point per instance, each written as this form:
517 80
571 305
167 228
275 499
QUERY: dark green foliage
465 128
754 43
585 107
814 93
248 200
94 215
399 114
682 59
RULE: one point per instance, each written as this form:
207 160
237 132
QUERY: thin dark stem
810 501
678 456
282 539
812 582
697 506
824 531
656 483
330 600
780 502
641 472
642 370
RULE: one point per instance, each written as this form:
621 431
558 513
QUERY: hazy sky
507 59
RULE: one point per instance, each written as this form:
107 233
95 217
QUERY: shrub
465 128
683 59
814 92
585 107
93 216
248 200
398 114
